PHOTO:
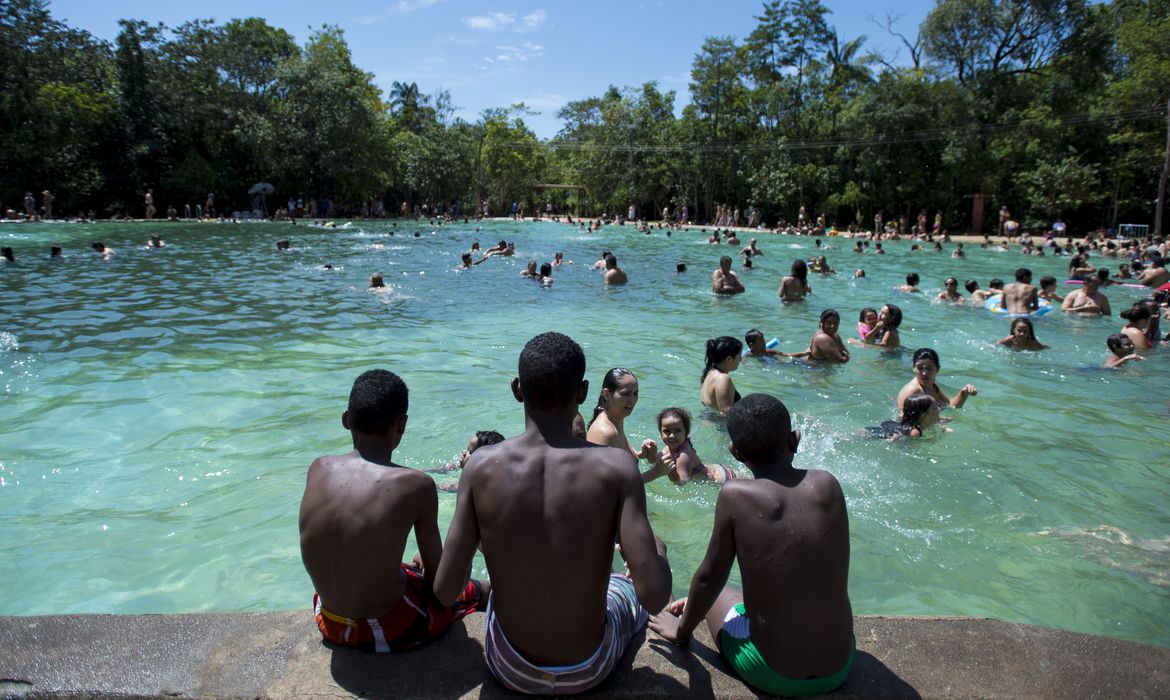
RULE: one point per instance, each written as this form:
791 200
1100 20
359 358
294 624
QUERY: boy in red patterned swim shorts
356 514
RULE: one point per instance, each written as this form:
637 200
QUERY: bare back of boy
355 519
790 534
547 516
1020 298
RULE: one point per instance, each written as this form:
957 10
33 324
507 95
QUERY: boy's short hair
484 438
752 336
1047 281
551 368
1114 341
971 285
758 425
1023 274
912 279
377 398
996 283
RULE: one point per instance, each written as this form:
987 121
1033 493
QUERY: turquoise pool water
159 410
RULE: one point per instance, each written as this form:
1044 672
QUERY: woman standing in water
619 395
926 366
716 389
795 287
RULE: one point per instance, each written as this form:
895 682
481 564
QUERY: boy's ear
582 391
519 395
345 419
402 423
734 452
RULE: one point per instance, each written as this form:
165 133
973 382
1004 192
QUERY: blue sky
497 53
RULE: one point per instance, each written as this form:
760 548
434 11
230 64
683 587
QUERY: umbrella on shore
261 188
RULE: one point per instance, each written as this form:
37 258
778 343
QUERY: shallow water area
158 410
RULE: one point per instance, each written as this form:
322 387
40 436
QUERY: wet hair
1115 341
996 283
677 412
718 350
611 381
546 270
800 271
1135 313
550 369
926 354
914 408
949 280
1047 281
98 246
895 317
377 398
829 313
1103 275
758 425
752 336
912 279
864 312
726 259
681 267
1023 274
55 250
610 260
1025 322
483 438
971 286
7 253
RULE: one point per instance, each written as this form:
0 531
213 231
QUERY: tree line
1054 108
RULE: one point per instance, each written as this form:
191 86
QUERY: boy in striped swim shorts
547 507
790 631
356 514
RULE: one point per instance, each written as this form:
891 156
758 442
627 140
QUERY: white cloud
525 52
412 5
492 21
399 8
535 19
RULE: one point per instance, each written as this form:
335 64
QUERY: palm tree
406 103
847 71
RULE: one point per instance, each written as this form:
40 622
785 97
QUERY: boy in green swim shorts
790 631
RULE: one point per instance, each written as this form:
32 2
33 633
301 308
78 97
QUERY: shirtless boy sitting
357 511
790 631
547 508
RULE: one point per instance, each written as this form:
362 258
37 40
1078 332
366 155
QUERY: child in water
678 459
756 347
1123 351
866 320
919 412
1023 336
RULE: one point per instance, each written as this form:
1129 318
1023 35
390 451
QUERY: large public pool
159 410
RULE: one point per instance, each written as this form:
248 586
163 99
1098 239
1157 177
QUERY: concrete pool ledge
280 655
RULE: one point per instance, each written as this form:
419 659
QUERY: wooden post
1162 180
